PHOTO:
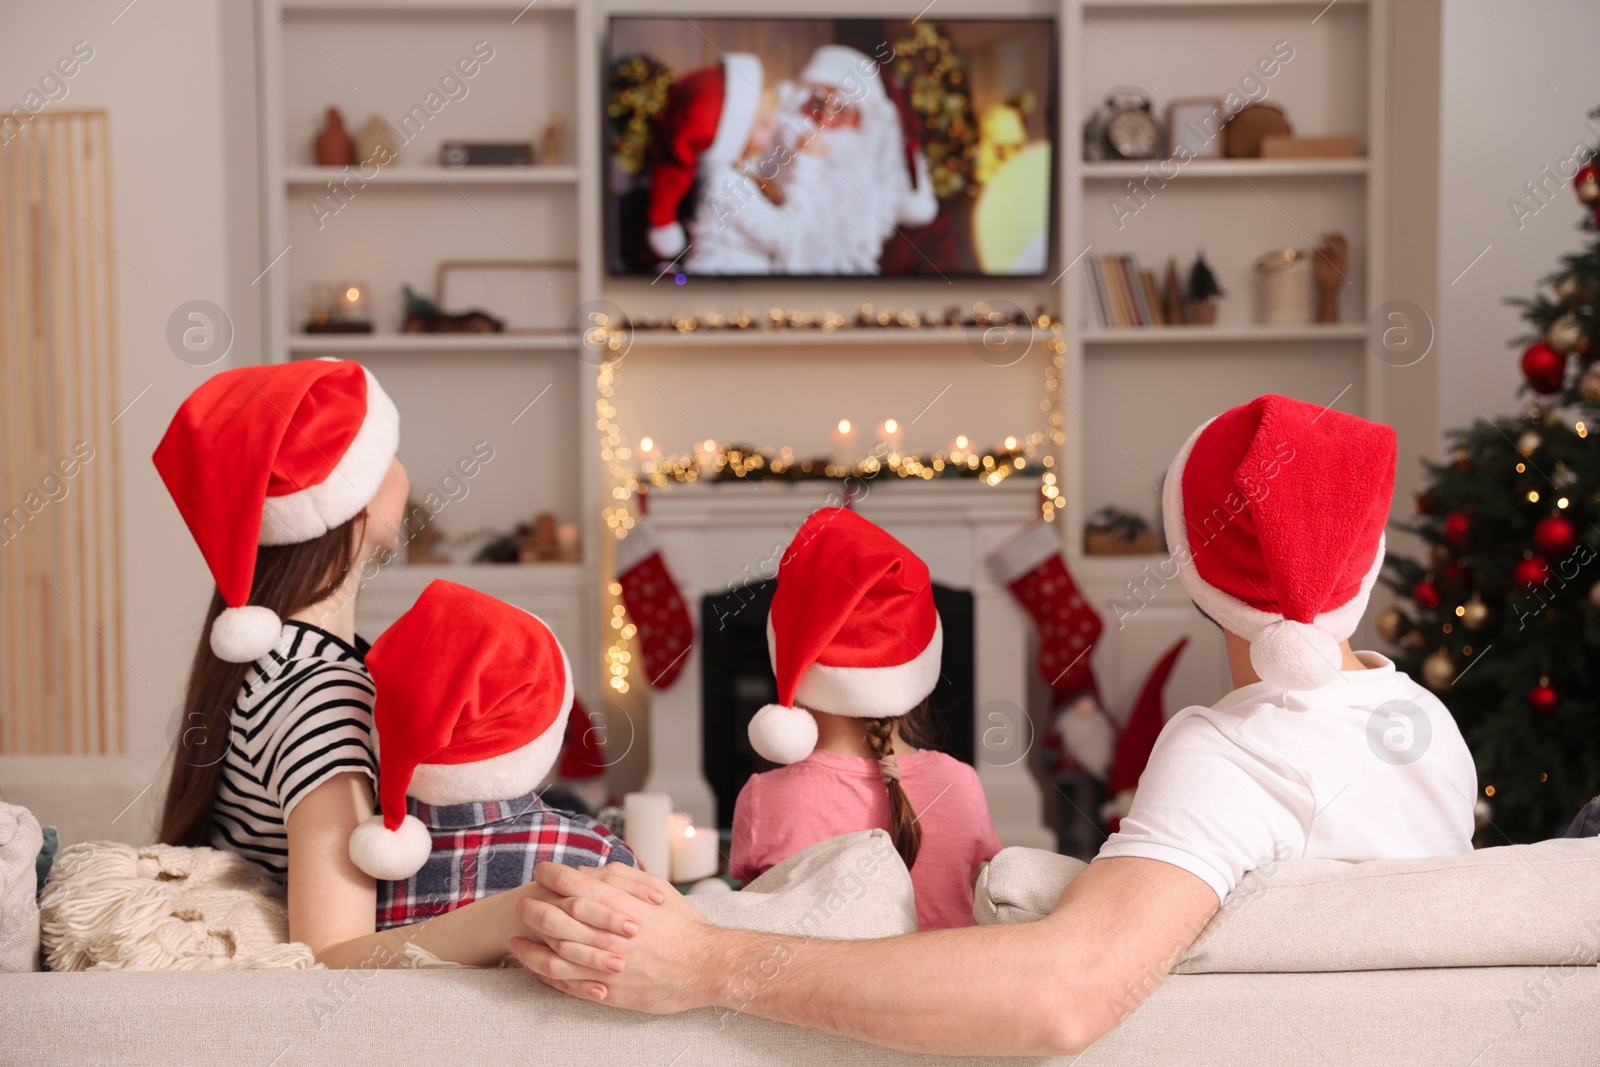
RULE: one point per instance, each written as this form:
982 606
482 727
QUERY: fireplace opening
737 679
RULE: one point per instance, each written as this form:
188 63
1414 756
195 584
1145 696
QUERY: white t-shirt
1370 766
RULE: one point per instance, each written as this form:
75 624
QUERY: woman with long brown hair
286 476
856 646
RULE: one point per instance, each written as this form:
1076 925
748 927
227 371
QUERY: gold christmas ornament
1412 639
1589 385
1566 288
1534 411
1594 594
1529 443
1391 624
1587 189
1440 554
1438 670
1564 333
1474 613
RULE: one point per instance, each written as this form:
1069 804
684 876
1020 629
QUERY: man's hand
618 935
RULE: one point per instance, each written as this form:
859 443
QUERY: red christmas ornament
1426 502
1544 368
1426 594
1554 535
1586 184
1531 572
1543 699
1456 573
1455 528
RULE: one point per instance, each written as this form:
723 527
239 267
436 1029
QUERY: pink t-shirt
827 795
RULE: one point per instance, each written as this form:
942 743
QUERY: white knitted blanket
109 906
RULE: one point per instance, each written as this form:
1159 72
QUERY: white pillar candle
889 434
644 829
842 450
694 855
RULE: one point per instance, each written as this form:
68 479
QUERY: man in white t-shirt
1274 513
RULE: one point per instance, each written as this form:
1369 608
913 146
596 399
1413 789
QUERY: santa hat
852 631
708 119
273 455
1138 738
1274 513
472 703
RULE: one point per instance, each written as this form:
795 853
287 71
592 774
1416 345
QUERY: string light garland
607 336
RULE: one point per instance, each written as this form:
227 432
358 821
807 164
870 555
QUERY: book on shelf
1117 294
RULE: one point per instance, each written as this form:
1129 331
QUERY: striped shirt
303 715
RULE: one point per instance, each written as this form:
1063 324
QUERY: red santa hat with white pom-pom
472 701
273 455
1274 513
852 631
708 119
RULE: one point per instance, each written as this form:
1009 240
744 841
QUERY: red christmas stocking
1032 567
651 596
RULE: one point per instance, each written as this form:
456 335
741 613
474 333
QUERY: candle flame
646 444
844 425
688 831
1011 444
961 440
890 426
352 294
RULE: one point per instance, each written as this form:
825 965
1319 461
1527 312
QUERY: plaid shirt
483 849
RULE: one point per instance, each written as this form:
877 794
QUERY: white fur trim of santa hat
1286 653
865 692
311 512
742 78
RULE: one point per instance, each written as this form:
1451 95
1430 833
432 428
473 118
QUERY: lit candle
677 823
889 434
843 450
353 302
959 445
705 452
648 452
694 855
644 829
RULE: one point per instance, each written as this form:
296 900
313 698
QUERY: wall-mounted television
808 147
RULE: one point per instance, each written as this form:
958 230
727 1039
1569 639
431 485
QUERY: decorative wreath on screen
638 94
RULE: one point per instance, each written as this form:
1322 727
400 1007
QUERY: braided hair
904 828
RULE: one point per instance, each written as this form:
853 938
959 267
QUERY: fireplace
720 541
736 680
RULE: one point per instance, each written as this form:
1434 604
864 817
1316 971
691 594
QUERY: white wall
1519 79
158 71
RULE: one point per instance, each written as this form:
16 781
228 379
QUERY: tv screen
819 147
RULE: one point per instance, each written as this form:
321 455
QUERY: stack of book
1117 294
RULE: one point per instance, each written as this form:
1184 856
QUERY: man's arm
1042 988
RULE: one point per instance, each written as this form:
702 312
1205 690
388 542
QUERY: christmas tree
1503 619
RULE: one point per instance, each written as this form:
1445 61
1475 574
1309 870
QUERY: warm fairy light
890 426
1488 790
1460 610
1583 431
1522 468
844 425
1563 502
708 445
1533 496
1010 443
351 295
1544 776
961 441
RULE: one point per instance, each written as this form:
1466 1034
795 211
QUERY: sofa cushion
20 840
1519 905
850 887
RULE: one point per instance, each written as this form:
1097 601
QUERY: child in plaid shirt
472 702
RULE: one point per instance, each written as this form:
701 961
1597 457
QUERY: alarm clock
1125 127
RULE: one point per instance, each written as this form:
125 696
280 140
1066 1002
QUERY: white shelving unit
530 395
1133 395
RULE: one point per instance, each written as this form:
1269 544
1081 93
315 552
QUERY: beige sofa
1484 959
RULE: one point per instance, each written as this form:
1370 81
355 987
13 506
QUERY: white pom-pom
1088 734
244 635
390 855
668 241
1295 655
709 885
783 734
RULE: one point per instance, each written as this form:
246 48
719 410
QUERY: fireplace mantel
717 537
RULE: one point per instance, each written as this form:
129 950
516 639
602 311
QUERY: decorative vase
333 147
375 146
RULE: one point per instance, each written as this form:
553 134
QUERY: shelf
377 343
1230 168
424 7
1115 5
1162 335
707 338
319 176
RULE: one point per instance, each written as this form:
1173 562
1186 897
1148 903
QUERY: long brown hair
288 578
904 829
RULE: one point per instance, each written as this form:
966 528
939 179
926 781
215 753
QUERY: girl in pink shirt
856 645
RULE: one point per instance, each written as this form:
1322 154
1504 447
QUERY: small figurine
1328 267
551 141
1203 293
333 146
